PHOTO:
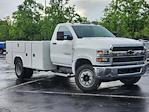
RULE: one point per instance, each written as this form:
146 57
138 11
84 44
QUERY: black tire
94 81
28 73
130 80
21 72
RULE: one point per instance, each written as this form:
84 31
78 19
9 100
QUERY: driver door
62 49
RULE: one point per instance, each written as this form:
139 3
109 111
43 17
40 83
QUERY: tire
21 72
130 80
85 78
28 73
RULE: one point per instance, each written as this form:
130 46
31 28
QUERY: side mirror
60 35
69 37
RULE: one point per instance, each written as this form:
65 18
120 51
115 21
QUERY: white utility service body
34 54
90 52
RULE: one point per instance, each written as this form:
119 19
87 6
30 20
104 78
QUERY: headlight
103 55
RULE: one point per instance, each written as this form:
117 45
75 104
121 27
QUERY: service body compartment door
9 53
19 46
36 55
28 55
41 56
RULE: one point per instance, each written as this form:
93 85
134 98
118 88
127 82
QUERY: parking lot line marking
22 84
82 94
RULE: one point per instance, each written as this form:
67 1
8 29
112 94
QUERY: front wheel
130 80
85 78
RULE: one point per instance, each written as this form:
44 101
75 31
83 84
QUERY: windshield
91 31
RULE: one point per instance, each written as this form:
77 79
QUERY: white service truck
89 52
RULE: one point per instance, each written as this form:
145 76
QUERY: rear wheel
85 78
130 80
22 72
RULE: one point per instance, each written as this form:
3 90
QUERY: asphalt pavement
48 93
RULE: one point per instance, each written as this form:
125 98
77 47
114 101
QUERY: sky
92 9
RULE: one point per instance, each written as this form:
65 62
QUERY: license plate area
129 70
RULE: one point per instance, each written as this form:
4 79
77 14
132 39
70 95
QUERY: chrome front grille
128 55
128 48
128 59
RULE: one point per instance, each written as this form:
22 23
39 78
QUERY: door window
66 32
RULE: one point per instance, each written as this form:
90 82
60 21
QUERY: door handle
54 43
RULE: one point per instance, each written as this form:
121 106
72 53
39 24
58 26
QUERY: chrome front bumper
113 72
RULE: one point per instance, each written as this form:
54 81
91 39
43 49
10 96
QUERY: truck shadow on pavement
62 84
55 83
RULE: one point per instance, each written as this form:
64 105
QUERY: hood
106 42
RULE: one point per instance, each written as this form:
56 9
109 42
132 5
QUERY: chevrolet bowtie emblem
130 52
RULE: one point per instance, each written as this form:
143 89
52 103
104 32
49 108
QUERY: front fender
76 59
83 53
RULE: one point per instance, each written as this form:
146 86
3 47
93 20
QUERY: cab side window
66 32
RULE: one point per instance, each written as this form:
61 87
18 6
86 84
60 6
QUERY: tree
30 22
26 21
145 31
4 30
128 17
58 12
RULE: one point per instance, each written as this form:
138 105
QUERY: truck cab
90 52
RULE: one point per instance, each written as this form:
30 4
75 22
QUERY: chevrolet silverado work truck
90 53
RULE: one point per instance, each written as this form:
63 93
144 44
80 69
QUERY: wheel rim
86 78
19 69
